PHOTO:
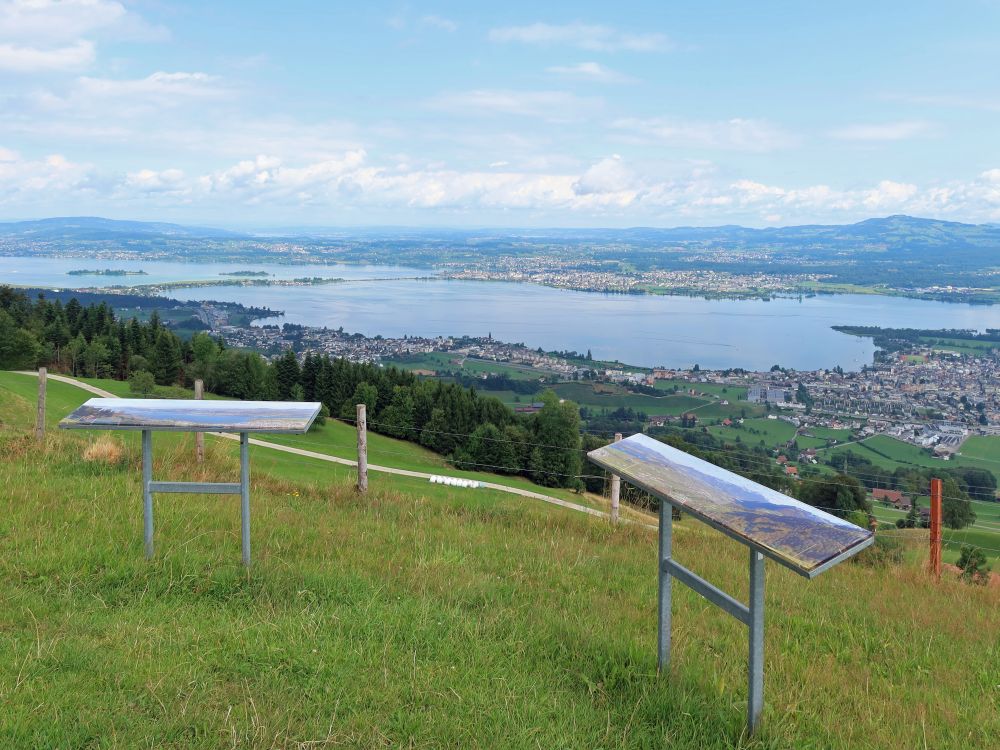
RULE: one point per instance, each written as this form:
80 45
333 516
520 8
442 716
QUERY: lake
638 329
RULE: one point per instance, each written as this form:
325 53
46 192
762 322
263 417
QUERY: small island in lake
106 272
246 274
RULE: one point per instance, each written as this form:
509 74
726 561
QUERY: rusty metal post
199 437
616 489
935 559
40 420
362 449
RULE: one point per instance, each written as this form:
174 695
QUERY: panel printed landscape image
791 532
192 415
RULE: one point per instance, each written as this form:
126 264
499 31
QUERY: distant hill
97 228
890 232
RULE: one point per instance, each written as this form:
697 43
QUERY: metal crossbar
199 488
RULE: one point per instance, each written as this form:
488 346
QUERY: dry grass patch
104 450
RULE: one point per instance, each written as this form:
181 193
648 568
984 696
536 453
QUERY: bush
324 414
972 563
883 553
142 383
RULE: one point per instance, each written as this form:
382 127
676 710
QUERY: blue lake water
638 329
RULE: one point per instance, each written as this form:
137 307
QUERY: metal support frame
241 488
751 615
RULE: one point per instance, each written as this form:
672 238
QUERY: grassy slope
454 620
340 439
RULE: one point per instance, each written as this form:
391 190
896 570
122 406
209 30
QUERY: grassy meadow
424 616
335 438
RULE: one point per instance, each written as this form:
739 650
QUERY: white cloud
161 86
593 37
44 35
29 59
403 22
48 21
887 131
149 180
609 189
551 105
591 71
26 180
115 99
737 134
438 22
888 195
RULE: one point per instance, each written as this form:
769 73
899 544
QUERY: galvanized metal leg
666 540
245 495
147 491
755 699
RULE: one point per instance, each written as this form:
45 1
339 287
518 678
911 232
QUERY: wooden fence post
40 420
935 558
199 437
362 449
616 489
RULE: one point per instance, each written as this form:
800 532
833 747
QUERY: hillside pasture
406 618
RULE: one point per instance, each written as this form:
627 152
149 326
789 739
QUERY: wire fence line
745 456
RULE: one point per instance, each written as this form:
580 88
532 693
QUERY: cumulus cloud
593 37
45 35
737 134
886 131
28 179
590 71
608 187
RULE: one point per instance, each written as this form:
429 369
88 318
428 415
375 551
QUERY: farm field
960 346
423 616
605 396
987 537
977 452
733 393
453 361
829 433
773 432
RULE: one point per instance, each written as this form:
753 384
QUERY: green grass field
605 396
981 452
774 432
452 361
733 393
425 617
334 438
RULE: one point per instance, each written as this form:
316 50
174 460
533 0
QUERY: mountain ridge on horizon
90 223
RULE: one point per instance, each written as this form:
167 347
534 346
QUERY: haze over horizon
443 115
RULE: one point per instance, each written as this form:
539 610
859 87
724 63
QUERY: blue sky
502 114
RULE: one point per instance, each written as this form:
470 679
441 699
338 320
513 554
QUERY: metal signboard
190 415
798 536
185 415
